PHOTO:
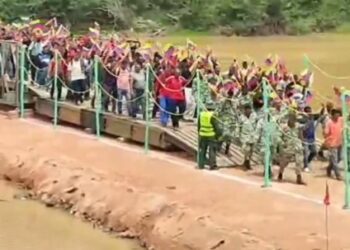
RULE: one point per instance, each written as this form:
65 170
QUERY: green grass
344 28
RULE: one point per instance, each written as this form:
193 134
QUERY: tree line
241 17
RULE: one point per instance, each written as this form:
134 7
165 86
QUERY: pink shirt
334 133
124 80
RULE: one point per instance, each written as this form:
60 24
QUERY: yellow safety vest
206 129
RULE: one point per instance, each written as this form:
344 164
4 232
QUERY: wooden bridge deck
133 129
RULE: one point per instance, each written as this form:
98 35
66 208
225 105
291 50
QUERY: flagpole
327 229
326 202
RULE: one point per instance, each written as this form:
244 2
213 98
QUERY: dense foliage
245 17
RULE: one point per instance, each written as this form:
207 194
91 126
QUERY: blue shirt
309 131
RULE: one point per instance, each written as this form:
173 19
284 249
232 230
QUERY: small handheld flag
326 200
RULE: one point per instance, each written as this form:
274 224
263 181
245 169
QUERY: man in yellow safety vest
208 130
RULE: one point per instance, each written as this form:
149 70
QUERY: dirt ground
164 201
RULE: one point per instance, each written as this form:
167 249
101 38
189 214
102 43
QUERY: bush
300 27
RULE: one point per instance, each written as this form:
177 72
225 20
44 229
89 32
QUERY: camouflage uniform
292 149
247 131
260 137
278 119
260 114
244 100
228 119
204 92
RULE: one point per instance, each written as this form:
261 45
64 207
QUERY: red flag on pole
326 200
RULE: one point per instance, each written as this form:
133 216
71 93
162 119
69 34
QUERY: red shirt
334 133
160 83
174 87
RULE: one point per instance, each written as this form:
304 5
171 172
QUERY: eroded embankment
117 206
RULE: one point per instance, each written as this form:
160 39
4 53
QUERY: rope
227 98
111 96
37 84
161 108
323 97
166 88
70 89
324 72
37 69
105 68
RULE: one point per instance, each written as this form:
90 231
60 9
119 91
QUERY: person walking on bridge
292 148
334 142
208 129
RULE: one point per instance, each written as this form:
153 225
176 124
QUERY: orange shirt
334 133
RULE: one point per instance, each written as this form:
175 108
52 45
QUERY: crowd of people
251 105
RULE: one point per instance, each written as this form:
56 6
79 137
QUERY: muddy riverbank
163 201
115 206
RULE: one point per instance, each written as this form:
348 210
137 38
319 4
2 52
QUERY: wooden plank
118 126
88 120
44 107
70 113
156 135
185 139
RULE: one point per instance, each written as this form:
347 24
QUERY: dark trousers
109 97
207 144
309 154
227 146
176 109
334 159
155 108
87 85
138 103
79 87
36 62
59 89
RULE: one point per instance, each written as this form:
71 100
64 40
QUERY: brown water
28 225
331 52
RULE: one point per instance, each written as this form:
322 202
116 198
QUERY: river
28 225
330 52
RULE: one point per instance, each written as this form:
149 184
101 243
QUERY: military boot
280 177
247 165
300 180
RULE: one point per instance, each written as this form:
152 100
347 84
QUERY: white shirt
76 72
139 79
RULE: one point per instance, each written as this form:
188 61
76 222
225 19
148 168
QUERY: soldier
279 117
260 141
246 131
228 120
244 98
204 92
292 148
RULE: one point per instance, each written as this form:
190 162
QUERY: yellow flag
182 54
273 95
124 45
168 46
147 45
34 22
